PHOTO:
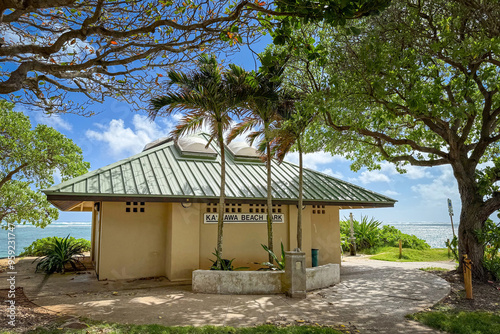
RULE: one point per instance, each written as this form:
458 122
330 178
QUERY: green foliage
489 236
460 322
59 253
225 264
40 247
390 236
411 255
280 263
416 87
370 234
29 158
453 246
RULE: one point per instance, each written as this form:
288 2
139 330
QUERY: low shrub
490 237
39 247
370 235
59 253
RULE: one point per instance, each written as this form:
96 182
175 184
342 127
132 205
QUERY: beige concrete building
155 213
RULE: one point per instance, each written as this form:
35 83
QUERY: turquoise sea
434 233
26 234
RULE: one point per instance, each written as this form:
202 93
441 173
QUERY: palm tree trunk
220 222
301 200
269 195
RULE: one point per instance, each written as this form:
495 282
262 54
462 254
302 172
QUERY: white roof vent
157 142
195 146
242 150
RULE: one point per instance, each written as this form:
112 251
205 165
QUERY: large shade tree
61 55
29 158
419 85
207 97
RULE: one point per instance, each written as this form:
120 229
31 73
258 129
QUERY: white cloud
416 172
330 172
55 121
442 187
312 160
123 141
390 193
379 175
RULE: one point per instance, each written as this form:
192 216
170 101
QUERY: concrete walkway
373 295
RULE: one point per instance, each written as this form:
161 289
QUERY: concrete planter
322 276
259 282
237 282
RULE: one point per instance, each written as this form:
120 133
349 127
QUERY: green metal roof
163 173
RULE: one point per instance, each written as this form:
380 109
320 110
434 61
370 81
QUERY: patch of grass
411 255
460 322
99 327
434 269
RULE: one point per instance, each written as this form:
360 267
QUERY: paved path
373 295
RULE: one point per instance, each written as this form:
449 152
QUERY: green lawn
411 255
96 327
460 322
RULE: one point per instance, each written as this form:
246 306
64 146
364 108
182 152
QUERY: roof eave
58 197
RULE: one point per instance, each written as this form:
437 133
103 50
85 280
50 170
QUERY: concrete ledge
259 282
322 276
237 282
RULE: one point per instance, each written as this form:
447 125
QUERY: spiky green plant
59 253
280 263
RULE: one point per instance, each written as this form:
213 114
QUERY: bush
489 236
60 252
40 247
370 234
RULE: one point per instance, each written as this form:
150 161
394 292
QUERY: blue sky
116 133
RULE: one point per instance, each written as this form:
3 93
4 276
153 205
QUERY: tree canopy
61 55
29 158
418 85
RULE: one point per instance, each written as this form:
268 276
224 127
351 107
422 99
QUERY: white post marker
353 239
450 211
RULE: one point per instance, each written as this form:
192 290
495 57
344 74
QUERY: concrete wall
322 276
132 243
237 282
260 282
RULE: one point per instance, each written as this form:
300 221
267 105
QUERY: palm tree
290 132
262 102
208 97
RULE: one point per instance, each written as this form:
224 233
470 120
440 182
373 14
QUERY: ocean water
26 234
435 233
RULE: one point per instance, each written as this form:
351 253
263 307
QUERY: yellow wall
241 241
132 243
170 240
184 246
325 234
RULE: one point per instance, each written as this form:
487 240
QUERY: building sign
212 218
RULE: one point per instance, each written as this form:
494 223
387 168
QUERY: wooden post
353 239
449 250
467 265
400 249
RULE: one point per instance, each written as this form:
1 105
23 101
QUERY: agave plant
280 263
59 253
